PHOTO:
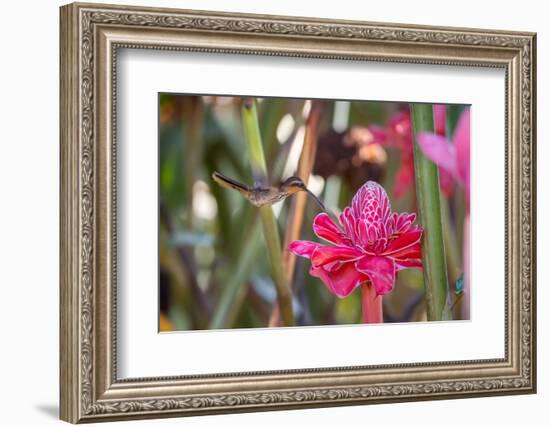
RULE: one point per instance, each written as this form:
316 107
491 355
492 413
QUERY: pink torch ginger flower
369 247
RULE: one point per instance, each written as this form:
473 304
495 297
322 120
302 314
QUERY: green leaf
269 223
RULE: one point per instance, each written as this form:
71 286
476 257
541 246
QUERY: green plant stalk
451 243
459 205
452 116
428 199
269 223
187 262
234 287
284 294
193 118
254 140
299 201
179 287
270 115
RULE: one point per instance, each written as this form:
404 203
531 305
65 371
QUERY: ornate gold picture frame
91 34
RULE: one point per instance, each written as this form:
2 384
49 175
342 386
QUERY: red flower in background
398 133
369 247
440 119
453 157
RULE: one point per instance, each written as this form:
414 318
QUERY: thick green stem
269 223
428 199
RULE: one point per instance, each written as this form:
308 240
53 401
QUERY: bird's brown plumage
260 196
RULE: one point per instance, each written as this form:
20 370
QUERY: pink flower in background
451 156
398 133
369 247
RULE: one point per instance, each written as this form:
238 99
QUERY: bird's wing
227 182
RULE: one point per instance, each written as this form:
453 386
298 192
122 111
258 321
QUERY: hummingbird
261 196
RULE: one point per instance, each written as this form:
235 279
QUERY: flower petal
325 228
404 178
408 263
380 271
461 140
446 182
403 242
371 198
341 281
403 222
379 135
411 252
440 151
333 255
440 119
348 222
303 248
400 125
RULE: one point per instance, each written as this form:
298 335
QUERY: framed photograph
266 212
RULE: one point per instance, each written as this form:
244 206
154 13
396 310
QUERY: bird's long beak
321 205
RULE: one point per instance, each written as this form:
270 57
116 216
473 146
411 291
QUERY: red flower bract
398 133
371 244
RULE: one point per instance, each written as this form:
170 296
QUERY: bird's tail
227 182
